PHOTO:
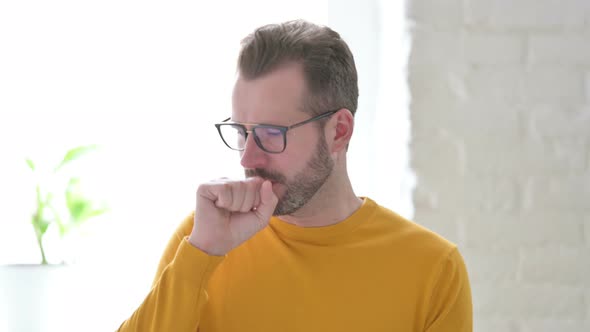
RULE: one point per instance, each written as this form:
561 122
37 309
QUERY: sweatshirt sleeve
450 307
178 293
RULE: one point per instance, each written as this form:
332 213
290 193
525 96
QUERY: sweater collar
325 234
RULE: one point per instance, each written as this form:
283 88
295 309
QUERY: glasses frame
282 129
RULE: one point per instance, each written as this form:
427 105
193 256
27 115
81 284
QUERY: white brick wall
525 15
560 48
500 115
481 48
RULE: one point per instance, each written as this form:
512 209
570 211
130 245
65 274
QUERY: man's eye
268 132
239 131
273 132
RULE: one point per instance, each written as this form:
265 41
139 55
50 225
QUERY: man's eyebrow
253 123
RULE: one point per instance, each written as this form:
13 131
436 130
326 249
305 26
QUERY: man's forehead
276 96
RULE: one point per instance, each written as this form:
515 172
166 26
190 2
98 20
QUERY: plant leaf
75 153
40 222
60 224
43 226
74 199
31 164
81 208
78 210
92 212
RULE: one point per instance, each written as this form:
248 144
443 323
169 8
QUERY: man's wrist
199 244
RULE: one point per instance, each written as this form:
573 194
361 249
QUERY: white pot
37 298
68 298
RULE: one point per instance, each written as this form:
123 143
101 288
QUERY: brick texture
526 15
559 48
555 265
500 116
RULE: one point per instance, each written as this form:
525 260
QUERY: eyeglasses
269 138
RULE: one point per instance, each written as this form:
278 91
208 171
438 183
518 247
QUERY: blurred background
473 120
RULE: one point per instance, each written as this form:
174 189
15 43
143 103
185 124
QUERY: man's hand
230 212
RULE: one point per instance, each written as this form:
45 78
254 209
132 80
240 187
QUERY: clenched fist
230 212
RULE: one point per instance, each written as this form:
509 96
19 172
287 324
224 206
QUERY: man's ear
342 126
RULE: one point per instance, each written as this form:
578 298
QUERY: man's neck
333 203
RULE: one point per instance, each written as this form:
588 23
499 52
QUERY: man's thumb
268 200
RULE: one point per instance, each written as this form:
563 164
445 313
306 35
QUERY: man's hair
328 64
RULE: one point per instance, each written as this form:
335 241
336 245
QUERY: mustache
265 174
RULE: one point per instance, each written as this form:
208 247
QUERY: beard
304 185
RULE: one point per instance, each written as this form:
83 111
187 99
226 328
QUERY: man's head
289 73
328 64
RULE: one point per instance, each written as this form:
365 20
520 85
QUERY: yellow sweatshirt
374 271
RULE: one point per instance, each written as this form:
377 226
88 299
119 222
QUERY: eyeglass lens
270 138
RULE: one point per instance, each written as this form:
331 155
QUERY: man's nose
252 156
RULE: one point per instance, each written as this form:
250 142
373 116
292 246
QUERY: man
291 247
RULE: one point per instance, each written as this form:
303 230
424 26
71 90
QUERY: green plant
60 199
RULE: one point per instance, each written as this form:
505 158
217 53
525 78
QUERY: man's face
298 172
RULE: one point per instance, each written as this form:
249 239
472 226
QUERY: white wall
500 146
144 80
378 155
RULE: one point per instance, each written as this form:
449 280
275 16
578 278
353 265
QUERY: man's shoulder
401 232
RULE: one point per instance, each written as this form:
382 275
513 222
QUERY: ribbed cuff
191 262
